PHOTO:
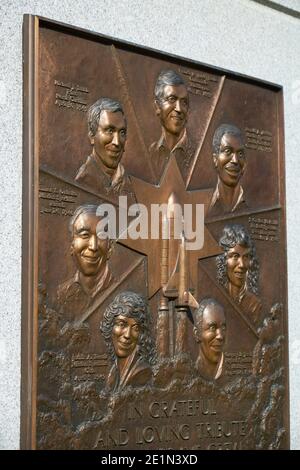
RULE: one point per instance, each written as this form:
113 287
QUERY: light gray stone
242 36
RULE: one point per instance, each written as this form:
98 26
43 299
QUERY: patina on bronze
143 343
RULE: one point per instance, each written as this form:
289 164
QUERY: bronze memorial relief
154 250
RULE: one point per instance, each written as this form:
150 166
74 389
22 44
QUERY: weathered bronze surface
143 343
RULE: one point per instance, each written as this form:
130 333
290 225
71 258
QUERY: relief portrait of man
90 253
229 160
210 332
171 101
125 328
238 270
103 172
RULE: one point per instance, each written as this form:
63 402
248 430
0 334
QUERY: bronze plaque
154 250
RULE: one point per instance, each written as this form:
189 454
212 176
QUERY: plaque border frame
30 200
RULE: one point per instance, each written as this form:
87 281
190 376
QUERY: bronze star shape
148 194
